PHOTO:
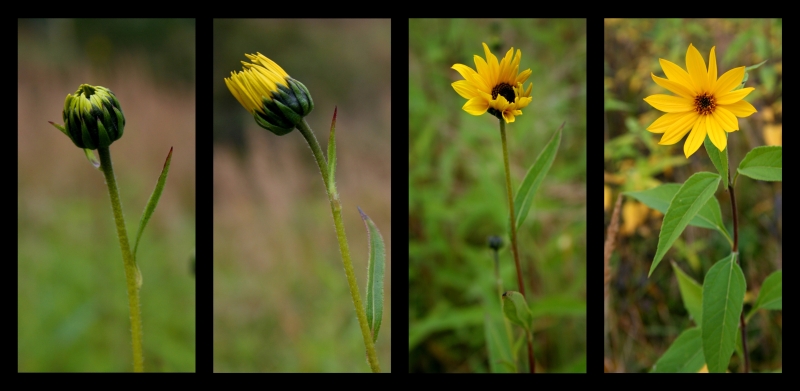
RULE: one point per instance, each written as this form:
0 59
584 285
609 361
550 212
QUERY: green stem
742 323
336 209
514 230
130 266
500 297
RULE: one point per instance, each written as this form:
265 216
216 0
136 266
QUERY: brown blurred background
281 300
72 304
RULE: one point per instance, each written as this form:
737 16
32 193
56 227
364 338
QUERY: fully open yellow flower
496 87
705 104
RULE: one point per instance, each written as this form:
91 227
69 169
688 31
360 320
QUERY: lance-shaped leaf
685 355
691 293
151 204
332 155
771 294
535 176
693 194
375 271
659 198
763 163
723 297
516 309
719 158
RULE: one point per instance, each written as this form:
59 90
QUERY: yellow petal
662 123
670 104
697 69
725 119
508 115
677 88
471 76
523 76
476 106
740 109
676 73
728 81
465 89
676 134
683 123
483 70
734 96
715 133
491 60
712 67
696 137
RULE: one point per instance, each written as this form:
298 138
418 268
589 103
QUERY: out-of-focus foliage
281 300
72 301
457 195
647 315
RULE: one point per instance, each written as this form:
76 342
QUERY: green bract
277 101
93 117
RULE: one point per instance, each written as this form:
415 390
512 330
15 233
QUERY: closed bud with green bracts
277 101
93 117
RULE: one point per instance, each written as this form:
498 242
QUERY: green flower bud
277 101
92 117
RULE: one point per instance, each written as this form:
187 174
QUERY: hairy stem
130 265
336 209
514 227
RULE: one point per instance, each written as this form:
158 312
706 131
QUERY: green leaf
770 296
763 163
92 159
151 204
659 198
516 309
498 346
691 293
719 158
689 199
535 176
685 355
751 67
332 155
723 297
375 270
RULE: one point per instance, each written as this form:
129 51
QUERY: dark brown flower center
505 90
704 104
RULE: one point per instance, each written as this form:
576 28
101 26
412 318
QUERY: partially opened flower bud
93 117
277 101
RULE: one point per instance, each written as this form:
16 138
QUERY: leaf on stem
659 198
763 163
770 296
690 198
498 346
723 297
92 158
375 272
516 309
691 293
535 176
685 355
332 155
151 204
719 158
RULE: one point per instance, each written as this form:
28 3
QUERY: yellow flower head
705 104
496 87
277 101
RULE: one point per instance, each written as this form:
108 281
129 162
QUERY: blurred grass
457 195
646 315
72 301
281 300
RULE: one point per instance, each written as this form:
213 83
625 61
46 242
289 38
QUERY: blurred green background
457 195
646 315
72 301
281 300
